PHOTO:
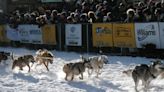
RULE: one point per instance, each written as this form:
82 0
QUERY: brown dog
45 57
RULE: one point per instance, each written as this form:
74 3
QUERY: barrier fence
85 37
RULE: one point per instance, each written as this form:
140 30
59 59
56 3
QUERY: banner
12 33
123 35
30 34
161 31
102 35
49 34
73 34
147 33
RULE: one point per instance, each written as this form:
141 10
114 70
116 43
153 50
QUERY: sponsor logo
72 33
35 32
73 36
72 29
145 32
22 32
103 30
123 32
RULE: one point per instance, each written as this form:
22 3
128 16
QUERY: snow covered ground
39 80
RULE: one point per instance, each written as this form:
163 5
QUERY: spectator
108 17
83 18
33 18
47 16
69 20
63 17
90 11
41 20
147 15
91 17
140 16
54 17
85 7
130 15
140 5
158 15
76 18
121 14
72 15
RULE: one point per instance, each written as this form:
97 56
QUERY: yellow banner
102 35
3 37
124 35
49 34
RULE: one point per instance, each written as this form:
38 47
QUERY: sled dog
44 57
146 73
4 56
97 63
72 69
23 61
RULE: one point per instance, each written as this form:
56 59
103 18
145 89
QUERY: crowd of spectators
92 11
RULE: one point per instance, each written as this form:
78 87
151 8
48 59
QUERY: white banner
30 34
12 33
147 33
73 35
161 27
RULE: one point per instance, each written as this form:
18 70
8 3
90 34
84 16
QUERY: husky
4 56
77 68
23 61
146 73
97 63
44 57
